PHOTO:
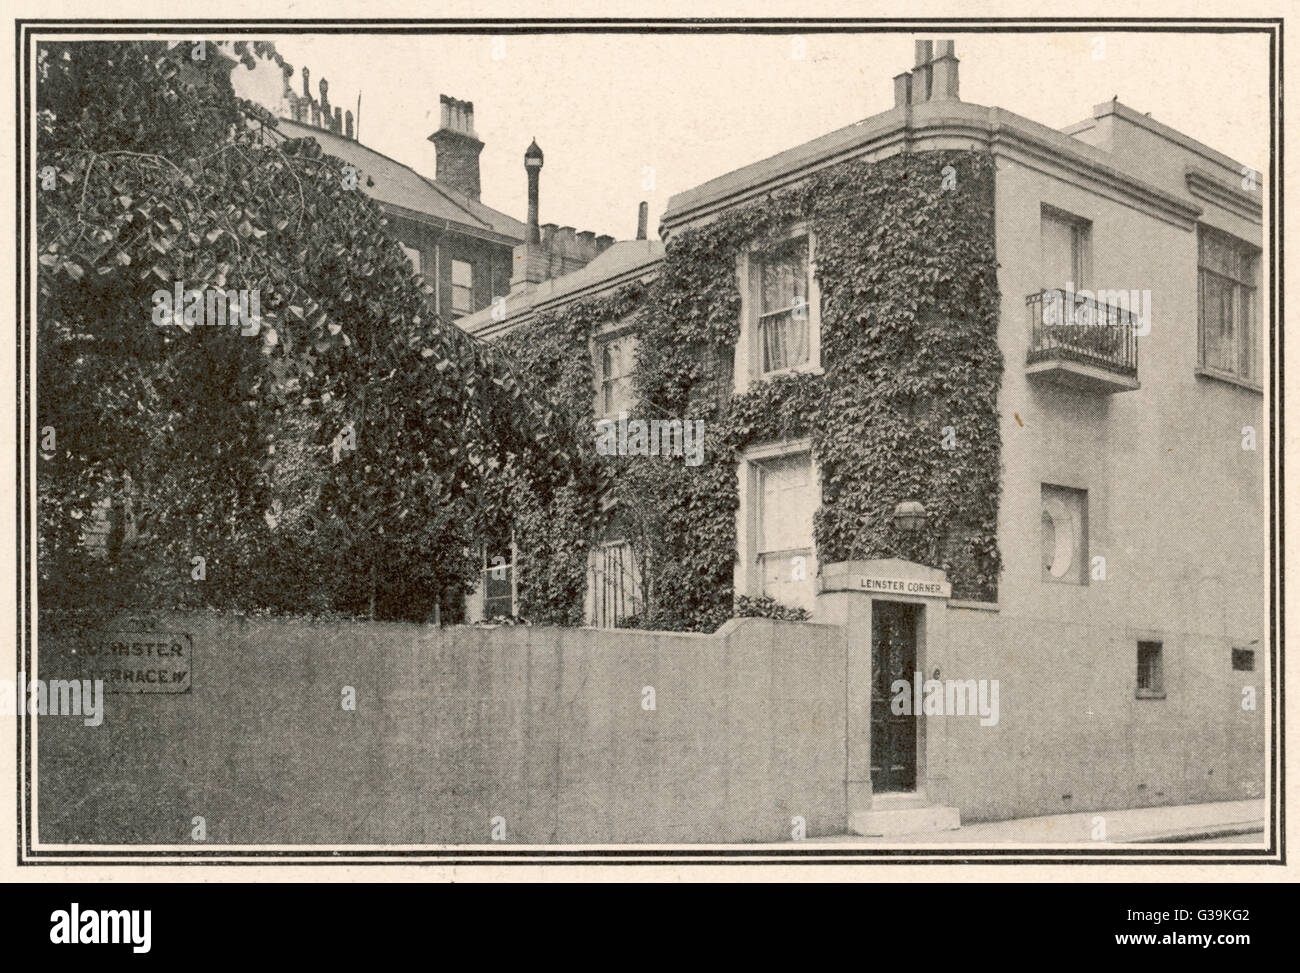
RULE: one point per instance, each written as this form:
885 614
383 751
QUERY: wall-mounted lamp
909 516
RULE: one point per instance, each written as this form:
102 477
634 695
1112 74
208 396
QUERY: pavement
1228 822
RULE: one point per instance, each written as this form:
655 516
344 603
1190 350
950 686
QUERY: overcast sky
607 109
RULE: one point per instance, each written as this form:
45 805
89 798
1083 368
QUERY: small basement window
1243 660
1150 670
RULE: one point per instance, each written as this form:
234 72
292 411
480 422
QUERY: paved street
1230 822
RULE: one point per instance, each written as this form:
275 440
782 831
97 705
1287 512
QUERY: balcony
1082 344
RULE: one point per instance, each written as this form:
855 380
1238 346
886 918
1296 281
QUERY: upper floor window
617 364
783 306
1066 243
462 287
1229 328
781 327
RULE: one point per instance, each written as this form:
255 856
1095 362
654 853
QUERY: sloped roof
617 259
613 266
401 186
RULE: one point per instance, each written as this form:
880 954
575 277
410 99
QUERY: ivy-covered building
1005 380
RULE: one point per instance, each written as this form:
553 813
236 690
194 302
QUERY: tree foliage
228 446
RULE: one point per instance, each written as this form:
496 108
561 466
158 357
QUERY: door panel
893 656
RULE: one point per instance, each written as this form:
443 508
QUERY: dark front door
893 657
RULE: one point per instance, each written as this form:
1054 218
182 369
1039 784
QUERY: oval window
1048 542
1057 538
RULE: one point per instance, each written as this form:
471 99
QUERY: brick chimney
458 147
934 78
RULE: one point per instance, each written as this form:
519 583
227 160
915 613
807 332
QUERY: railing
1066 327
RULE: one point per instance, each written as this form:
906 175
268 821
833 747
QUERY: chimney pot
934 78
306 83
943 82
902 89
642 217
337 127
920 84
347 123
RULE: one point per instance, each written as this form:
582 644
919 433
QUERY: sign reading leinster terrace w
140 662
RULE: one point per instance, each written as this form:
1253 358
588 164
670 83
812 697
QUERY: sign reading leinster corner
896 586
140 662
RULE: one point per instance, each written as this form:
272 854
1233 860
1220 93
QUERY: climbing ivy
905 407
554 510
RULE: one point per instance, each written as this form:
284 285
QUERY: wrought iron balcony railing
1067 328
